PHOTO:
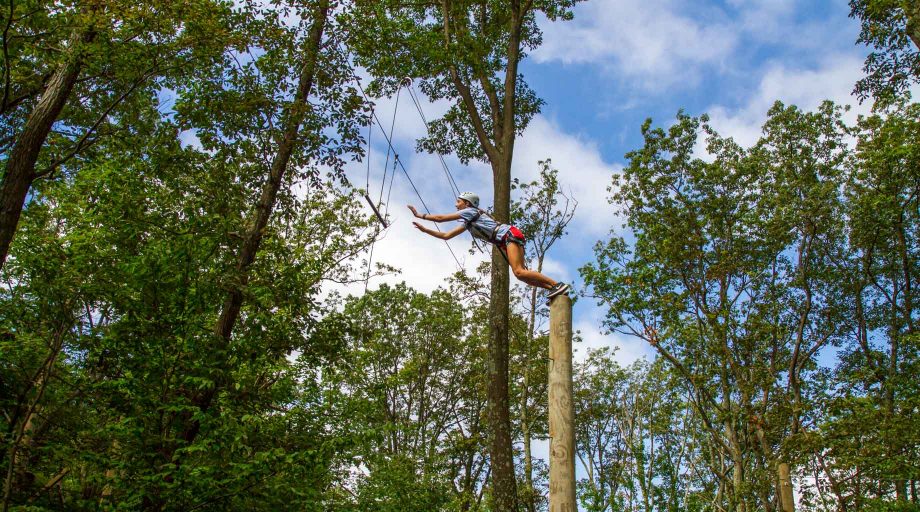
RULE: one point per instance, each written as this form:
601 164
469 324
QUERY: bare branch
484 81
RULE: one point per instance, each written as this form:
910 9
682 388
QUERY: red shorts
513 236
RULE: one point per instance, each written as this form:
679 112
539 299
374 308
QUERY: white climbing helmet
471 198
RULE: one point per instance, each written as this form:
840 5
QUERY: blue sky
620 62
601 75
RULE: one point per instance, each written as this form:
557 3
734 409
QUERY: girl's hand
414 211
419 227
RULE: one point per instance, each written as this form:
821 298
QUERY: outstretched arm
443 235
435 217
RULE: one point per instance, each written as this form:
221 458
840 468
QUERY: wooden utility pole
561 408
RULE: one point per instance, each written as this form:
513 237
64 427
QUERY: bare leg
516 259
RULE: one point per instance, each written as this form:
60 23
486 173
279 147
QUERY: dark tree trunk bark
20 167
504 486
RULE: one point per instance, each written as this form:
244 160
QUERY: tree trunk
787 503
263 210
20 167
913 22
736 496
504 487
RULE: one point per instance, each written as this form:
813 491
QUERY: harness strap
491 236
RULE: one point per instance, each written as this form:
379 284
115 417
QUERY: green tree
892 29
865 447
77 72
467 53
600 388
734 279
120 393
412 381
637 438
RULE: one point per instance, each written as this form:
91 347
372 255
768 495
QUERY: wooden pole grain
561 408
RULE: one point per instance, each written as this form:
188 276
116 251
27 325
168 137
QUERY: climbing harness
513 233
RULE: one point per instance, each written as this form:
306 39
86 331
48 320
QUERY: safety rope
389 141
386 163
418 106
370 130
390 191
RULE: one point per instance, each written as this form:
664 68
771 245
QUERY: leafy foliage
892 29
195 167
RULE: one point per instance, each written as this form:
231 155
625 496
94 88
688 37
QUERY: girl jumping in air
508 239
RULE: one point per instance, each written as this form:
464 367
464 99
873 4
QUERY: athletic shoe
558 289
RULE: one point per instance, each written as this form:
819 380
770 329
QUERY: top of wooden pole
560 323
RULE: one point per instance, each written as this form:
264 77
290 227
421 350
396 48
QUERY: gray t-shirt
481 225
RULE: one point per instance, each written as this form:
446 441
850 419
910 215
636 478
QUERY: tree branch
484 81
82 143
6 55
514 52
51 483
465 94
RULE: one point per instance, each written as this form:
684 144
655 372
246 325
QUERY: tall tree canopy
467 52
892 29
75 73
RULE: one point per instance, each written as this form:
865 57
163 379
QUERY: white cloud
766 20
666 45
648 40
805 88
582 172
